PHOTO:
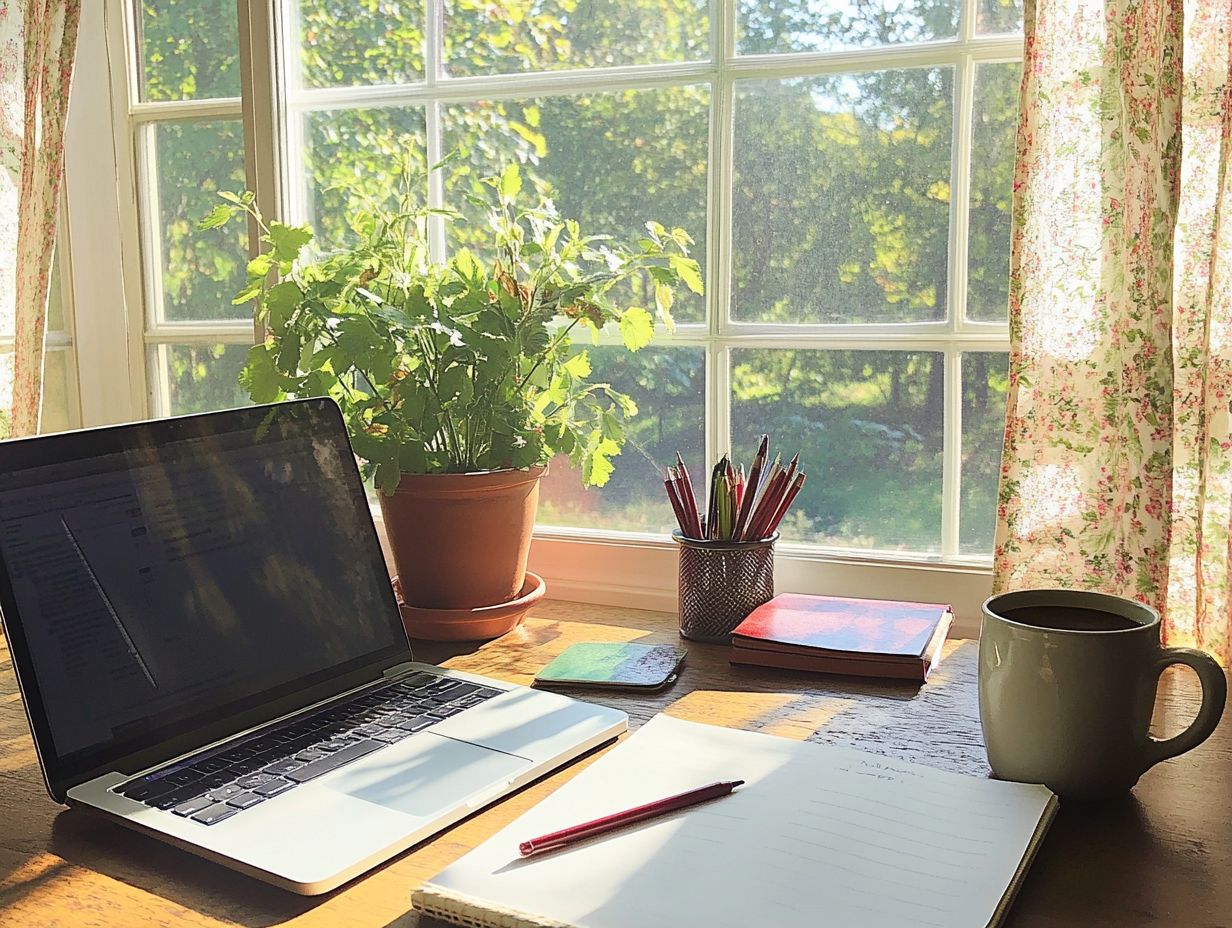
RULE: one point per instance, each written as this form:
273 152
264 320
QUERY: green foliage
841 211
457 367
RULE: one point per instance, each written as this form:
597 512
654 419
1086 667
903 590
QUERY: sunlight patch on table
534 644
787 715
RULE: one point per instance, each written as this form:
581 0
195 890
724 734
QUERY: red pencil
677 507
690 501
750 491
766 509
684 486
787 498
791 467
576 833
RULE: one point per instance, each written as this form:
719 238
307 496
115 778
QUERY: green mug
1067 682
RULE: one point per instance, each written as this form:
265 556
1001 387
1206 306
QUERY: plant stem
362 373
551 349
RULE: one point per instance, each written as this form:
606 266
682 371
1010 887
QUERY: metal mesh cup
721 582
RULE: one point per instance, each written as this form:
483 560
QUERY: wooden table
1162 857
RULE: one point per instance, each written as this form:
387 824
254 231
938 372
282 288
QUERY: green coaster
638 666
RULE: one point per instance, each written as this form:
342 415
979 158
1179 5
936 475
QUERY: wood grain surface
1162 857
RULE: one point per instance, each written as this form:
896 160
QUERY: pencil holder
721 582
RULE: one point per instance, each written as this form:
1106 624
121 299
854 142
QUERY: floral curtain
37 43
1117 468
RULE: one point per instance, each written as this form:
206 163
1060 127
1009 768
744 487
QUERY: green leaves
261 377
219 216
579 365
636 328
286 242
511 182
597 464
462 367
688 271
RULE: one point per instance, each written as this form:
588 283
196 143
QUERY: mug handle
1214 695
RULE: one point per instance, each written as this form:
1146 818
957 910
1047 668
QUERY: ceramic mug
1067 683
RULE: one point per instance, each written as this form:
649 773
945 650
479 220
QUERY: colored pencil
689 499
769 503
787 500
740 505
791 467
712 510
670 486
767 481
750 491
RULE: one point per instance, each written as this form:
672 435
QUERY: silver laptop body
209 650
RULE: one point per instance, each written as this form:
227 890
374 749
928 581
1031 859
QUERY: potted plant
458 381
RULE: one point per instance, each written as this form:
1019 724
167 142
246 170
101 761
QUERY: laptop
209 650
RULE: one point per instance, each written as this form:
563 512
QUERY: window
845 170
188 143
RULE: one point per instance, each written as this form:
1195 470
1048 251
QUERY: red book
832 634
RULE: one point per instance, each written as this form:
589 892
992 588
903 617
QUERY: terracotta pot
460 541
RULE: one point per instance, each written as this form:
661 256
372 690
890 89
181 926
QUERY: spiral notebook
868 840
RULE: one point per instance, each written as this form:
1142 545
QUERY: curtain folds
38 39
1117 467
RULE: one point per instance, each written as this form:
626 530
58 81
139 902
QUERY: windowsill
639 571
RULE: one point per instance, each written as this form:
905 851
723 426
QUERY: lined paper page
816 831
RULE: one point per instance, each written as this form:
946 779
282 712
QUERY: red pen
572 835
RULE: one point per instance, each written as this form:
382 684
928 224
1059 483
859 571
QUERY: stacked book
832 634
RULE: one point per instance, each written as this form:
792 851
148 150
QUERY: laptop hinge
397 670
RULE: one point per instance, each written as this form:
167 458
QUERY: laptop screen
165 574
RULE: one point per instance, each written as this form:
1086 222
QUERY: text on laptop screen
161 583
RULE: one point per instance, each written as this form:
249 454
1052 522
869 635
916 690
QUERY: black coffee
1069 618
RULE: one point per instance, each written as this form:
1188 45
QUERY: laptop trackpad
427 775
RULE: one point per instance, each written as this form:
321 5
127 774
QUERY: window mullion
966 22
951 454
960 192
146 148
718 237
160 384
434 54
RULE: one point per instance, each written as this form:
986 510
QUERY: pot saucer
478 624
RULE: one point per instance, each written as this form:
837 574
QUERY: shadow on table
1108 863
87 841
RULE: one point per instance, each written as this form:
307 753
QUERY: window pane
612 160
985 380
198 378
765 26
543 35
55 294
200 271
344 43
868 426
189 50
998 16
841 198
353 154
59 392
667 384
993 122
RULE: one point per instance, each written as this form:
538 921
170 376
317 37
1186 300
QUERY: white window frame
580 564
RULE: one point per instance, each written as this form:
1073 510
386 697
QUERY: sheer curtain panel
1117 467
38 39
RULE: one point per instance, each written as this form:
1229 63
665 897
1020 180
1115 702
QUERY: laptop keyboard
243 774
